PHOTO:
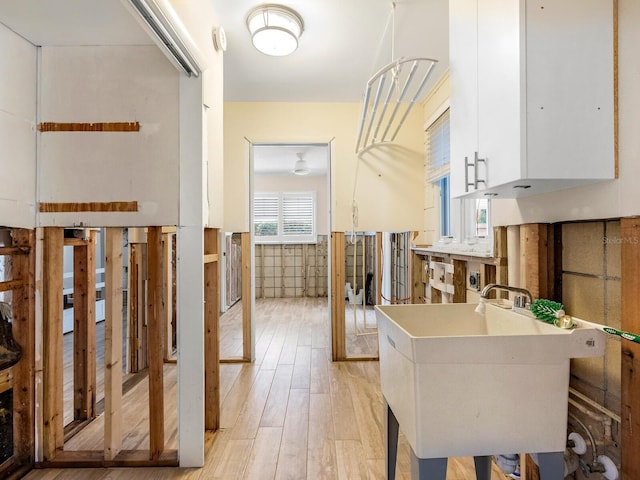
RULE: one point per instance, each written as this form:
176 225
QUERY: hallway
293 414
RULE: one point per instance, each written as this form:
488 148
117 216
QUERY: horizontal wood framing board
11 285
15 250
89 127
6 380
95 458
497 261
210 258
51 207
75 242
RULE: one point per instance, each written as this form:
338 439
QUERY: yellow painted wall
389 187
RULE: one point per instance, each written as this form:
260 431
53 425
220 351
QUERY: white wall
288 183
17 130
389 187
616 198
110 84
200 18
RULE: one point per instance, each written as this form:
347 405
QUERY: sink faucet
484 294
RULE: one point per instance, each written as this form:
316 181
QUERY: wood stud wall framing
21 376
247 354
211 324
113 344
338 274
630 445
158 275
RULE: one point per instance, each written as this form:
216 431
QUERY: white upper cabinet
532 97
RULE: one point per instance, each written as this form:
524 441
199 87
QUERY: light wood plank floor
293 414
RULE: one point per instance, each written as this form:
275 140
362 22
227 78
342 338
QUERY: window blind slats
285 217
437 148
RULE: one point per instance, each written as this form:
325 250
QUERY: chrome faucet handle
520 301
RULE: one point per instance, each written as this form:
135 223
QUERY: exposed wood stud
23 302
211 328
338 274
630 285
19 250
535 258
71 207
459 281
155 318
52 408
210 257
436 294
138 307
113 344
9 285
247 354
501 254
89 127
417 290
379 268
126 458
84 330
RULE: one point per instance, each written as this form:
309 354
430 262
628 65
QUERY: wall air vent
169 33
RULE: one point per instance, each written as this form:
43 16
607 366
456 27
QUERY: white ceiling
280 159
72 22
343 44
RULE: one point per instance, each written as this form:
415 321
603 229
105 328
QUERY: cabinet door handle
477 160
467 164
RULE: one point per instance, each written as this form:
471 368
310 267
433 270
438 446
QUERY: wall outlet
474 280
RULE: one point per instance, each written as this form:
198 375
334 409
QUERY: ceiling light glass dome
274 29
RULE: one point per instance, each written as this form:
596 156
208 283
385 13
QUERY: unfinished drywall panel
388 189
17 130
109 84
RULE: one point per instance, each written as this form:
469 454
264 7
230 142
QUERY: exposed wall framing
536 259
630 236
84 324
113 344
211 328
338 331
156 318
137 301
247 334
20 378
54 454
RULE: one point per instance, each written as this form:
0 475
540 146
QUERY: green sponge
545 309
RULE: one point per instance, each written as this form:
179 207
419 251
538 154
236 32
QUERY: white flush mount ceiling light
275 29
301 167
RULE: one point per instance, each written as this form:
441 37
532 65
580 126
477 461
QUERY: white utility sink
465 384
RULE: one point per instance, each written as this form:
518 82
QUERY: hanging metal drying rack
405 79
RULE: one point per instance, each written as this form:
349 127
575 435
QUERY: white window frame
463 228
282 236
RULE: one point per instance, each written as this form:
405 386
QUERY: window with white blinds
284 217
437 148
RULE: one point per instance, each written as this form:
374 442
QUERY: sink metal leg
428 468
391 442
551 465
483 467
